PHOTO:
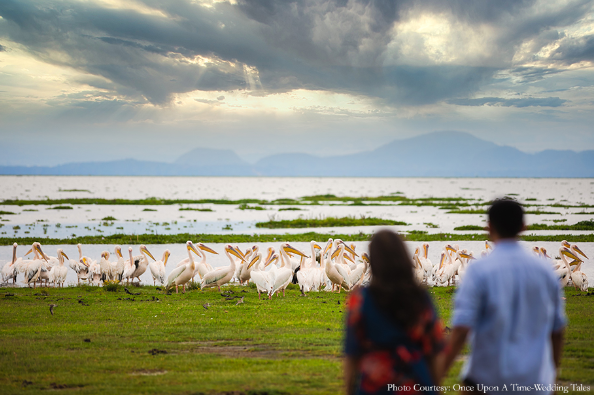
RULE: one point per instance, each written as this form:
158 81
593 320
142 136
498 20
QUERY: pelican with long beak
59 272
158 268
142 263
34 268
181 275
9 271
222 275
117 267
261 278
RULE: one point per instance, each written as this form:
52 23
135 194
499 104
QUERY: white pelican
562 267
202 267
262 278
467 256
284 274
94 272
308 271
244 273
105 266
129 266
222 275
488 249
181 275
33 269
80 267
418 270
359 272
334 275
59 272
9 271
142 263
158 268
579 278
424 259
117 267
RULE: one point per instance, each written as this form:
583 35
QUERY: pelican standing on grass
33 269
222 275
117 267
142 263
181 275
284 274
158 268
59 272
9 271
262 278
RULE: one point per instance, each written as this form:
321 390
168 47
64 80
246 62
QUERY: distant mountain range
439 154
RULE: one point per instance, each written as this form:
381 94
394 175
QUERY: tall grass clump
111 285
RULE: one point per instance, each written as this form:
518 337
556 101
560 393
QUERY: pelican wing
175 274
214 276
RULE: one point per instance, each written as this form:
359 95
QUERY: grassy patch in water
60 208
327 222
108 218
582 225
290 209
469 227
6 212
111 342
245 206
195 209
74 190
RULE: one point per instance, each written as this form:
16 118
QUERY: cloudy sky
148 79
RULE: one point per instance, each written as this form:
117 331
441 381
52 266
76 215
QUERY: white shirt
512 302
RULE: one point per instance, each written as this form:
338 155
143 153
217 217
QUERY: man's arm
456 342
557 341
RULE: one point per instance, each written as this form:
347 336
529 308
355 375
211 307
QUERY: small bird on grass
52 308
240 301
206 305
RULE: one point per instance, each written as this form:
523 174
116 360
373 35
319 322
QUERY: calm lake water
43 221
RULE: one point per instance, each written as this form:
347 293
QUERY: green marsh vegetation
101 341
195 209
147 238
326 222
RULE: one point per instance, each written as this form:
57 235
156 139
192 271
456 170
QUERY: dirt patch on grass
148 373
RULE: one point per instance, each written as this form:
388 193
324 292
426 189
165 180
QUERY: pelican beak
349 249
317 247
565 244
64 255
442 260
450 248
349 258
28 252
570 254
580 251
270 253
84 261
208 249
192 248
271 260
365 257
426 248
254 261
288 248
335 253
166 258
119 252
328 247
38 249
465 255
144 249
233 251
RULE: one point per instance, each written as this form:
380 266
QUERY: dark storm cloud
575 50
2 48
521 102
333 45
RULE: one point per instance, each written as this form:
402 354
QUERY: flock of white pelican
335 267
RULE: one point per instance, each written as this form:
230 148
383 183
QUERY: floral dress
388 353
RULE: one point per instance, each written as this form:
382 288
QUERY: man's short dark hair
506 217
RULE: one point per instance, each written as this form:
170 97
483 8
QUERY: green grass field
153 343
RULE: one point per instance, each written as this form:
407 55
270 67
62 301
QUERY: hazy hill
439 154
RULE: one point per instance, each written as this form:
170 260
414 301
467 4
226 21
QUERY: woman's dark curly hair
393 285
